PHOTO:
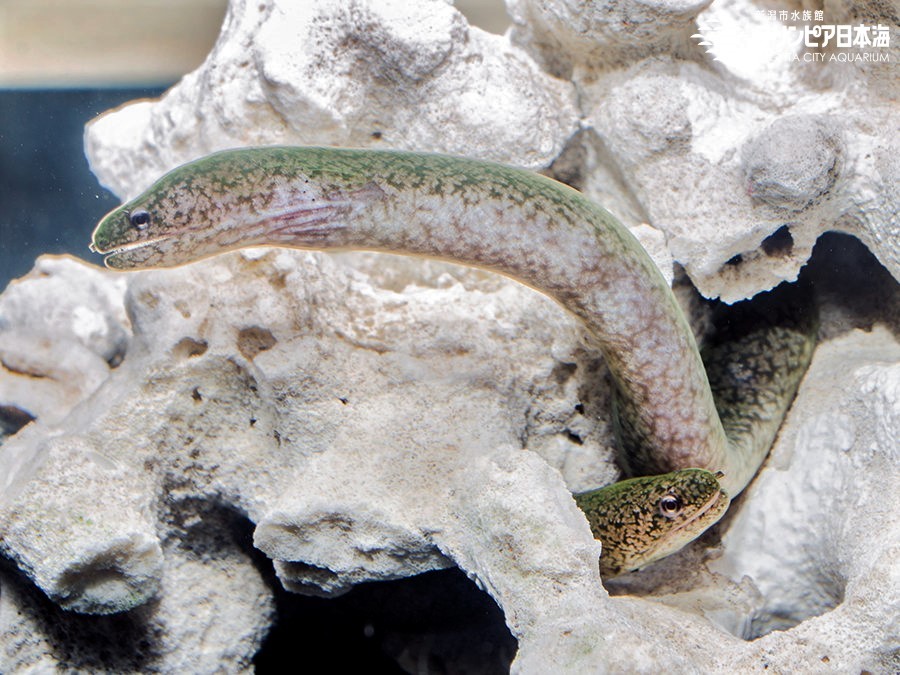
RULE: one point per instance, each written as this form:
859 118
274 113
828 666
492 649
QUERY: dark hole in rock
774 617
575 438
848 276
116 359
253 340
113 643
189 347
779 243
439 619
735 260
563 372
12 419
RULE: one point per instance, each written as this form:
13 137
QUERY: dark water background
49 199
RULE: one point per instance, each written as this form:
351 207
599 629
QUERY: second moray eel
533 229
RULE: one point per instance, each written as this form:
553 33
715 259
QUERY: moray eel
528 227
755 359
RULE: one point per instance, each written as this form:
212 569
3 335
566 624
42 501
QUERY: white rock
207 618
318 404
841 440
60 327
700 150
360 73
88 554
567 35
306 395
832 489
377 417
743 162
742 195
76 304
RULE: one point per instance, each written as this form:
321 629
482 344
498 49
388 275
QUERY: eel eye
670 506
139 219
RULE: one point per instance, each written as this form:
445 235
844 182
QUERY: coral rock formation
370 418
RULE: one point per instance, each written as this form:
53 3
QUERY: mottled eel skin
517 223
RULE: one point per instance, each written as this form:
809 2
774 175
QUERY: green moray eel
643 519
514 222
755 360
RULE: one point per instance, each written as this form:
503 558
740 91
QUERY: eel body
517 223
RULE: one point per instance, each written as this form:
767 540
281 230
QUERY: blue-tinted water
49 199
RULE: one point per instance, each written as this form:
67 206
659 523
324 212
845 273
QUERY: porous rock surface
372 429
742 162
375 417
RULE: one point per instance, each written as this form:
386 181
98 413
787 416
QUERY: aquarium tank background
54 79
61 64
50 198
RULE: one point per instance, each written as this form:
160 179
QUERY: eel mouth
706 508
127 247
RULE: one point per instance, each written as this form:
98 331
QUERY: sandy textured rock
372 427
360 73
371 417
53 353
742 162
839 445
210 615
252 366
742 207
567 35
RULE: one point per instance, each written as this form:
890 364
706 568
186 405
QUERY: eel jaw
713 501
720 498
121 253
126 247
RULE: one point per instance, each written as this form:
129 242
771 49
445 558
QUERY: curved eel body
524 225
